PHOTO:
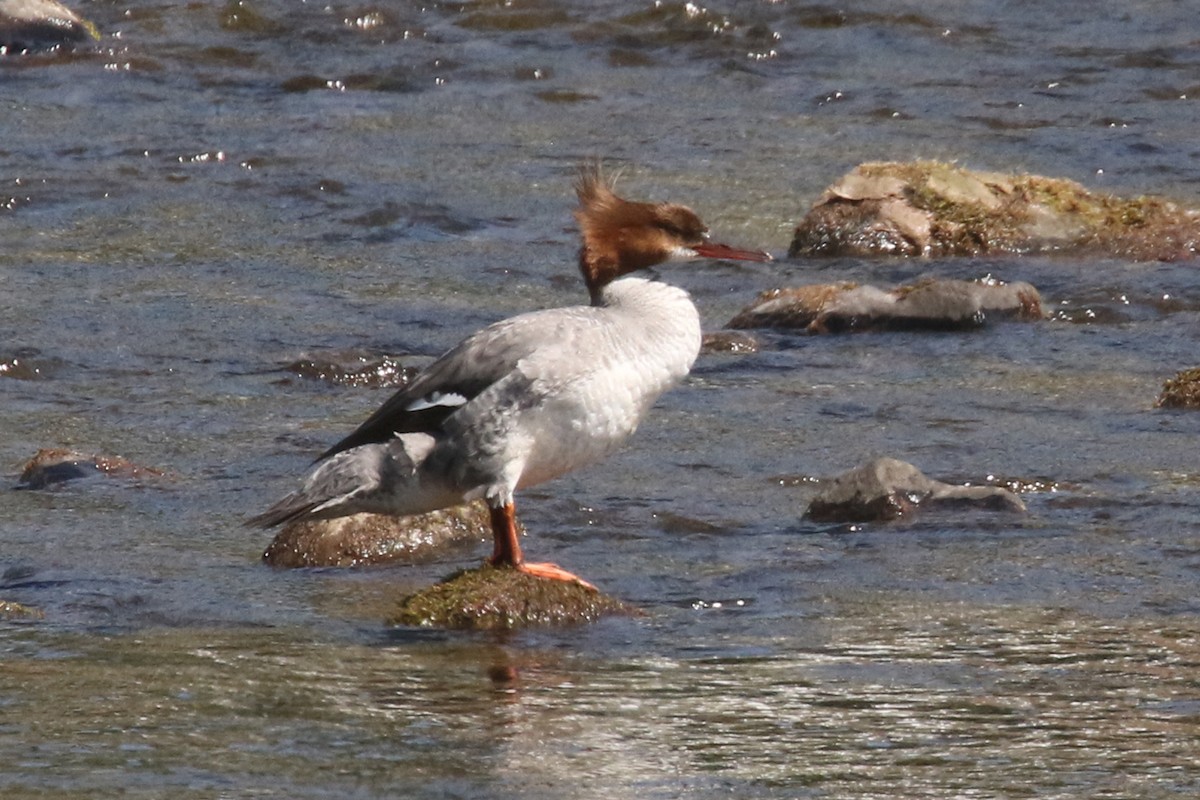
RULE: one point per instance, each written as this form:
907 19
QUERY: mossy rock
14 611
500 598
1182 391
927 208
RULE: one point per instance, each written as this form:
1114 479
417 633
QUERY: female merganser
532 397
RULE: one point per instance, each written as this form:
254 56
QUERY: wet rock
887 489
934 304
1182 391
733 342
363 539
34 25
16 611
791 307
362 371
57 465
928 208
493 598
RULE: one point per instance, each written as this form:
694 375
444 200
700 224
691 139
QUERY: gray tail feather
292 507
326 490
345 482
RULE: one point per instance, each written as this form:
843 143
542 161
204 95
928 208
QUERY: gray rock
887 489
934 304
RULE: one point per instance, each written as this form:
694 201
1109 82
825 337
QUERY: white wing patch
436 400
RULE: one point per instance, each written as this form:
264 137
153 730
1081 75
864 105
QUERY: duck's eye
685 233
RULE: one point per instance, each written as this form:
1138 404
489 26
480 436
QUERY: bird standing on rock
532 397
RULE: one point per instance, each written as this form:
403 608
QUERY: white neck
656 318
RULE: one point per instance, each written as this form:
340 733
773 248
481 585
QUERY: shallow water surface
218 190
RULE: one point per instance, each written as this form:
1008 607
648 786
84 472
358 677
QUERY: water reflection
898 699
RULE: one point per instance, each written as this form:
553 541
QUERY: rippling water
220 189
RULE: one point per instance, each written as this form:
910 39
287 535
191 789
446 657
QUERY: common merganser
532 397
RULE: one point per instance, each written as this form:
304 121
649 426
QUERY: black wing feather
395 417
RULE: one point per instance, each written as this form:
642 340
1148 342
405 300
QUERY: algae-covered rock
15 611
31 25
934 304
491 598
56 465
887 488
1182 391
362 539
926 208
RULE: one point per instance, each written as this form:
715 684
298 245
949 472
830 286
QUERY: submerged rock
1182 391
730 342
934 304
363 539
491 598
28 364
380 373
887 489
32 25
926 208
57 465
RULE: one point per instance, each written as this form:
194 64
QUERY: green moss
960 224
975 213
1103 219
90 28
497 598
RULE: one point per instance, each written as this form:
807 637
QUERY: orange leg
506 549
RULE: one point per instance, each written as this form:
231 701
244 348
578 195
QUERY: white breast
648 342
583 390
